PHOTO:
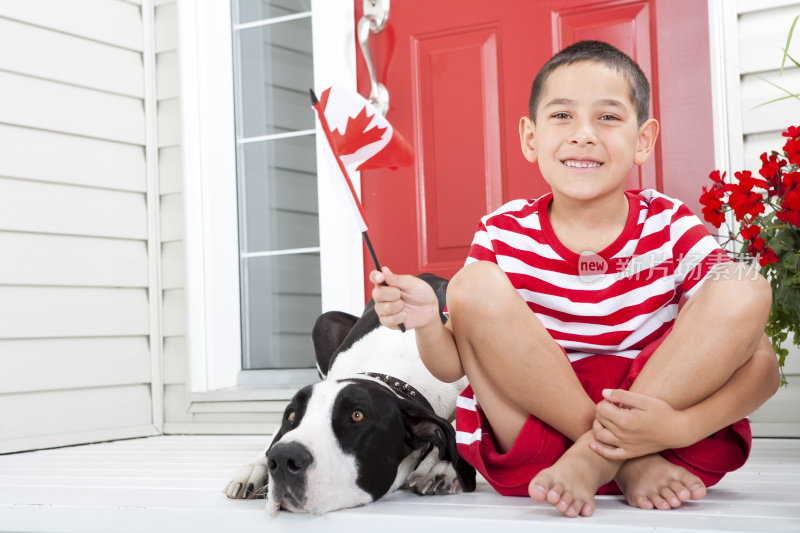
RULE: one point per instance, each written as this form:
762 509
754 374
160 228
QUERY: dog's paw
437 485
434 477
250 482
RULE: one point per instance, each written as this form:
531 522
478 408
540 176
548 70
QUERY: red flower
747 182
791 181
790 206
718 178
712 206
744 202
792 149
758 246
791 200
792 132
742 199
771 170
767 256
750 232
790 217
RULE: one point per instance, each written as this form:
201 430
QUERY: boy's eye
560 115
608 116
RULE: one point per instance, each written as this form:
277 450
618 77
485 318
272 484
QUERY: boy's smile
586 137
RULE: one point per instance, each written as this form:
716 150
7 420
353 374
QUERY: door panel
459 75
441 62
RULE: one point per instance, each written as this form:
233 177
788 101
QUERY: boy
584 384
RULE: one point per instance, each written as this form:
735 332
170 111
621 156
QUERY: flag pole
326 129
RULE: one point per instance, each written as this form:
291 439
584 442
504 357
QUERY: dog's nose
288 460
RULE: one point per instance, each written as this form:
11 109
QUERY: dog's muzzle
288 464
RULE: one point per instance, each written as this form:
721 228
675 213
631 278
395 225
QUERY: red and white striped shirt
616 301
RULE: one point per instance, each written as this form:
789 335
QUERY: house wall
754 46
75 317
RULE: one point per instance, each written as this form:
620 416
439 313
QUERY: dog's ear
439 286
424 429
329 331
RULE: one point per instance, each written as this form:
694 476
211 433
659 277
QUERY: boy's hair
605 54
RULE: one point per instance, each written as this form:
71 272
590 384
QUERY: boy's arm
438 350
410 301
632 425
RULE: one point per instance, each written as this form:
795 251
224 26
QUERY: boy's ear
526 135
646 142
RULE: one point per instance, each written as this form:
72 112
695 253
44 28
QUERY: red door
459 74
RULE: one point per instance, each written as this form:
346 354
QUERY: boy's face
586 138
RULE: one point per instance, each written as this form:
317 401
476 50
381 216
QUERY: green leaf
793 60
788 41
787 91
793 95
791 261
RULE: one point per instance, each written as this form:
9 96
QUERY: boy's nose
582 134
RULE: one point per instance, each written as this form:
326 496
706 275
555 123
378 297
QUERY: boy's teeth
581 164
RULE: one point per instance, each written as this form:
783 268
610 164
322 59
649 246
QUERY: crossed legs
516 369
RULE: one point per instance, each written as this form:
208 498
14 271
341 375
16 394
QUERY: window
315 268
276 181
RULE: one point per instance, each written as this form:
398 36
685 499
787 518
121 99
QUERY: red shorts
538 445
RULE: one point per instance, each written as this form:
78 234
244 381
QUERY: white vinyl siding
74 282
755 49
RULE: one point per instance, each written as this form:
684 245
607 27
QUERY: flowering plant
766 211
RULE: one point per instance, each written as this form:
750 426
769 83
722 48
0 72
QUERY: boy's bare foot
570 484
652 482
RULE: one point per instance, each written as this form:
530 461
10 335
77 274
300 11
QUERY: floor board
174 483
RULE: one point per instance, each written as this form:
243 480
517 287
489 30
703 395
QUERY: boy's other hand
629 425
403 300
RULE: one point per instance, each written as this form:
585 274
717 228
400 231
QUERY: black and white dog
376 423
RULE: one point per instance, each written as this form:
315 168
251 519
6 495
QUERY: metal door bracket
376 13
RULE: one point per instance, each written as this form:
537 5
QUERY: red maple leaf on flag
356 135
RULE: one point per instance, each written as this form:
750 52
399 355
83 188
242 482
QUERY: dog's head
346 443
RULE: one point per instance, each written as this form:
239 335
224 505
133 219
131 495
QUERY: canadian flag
360 138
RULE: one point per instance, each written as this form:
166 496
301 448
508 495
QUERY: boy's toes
571 512
540 486
587 509
660 503
538 492
554 495
669 495
564 507
642 502
680 490
698 491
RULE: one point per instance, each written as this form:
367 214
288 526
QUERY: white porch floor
175 483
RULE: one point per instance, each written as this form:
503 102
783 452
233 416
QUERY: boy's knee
476 286
747 293
754 294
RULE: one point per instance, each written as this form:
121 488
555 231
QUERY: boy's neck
588 226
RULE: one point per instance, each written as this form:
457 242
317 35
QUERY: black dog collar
401 387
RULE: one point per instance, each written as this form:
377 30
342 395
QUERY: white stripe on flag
466 403
462 437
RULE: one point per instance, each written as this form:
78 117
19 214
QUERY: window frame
213 325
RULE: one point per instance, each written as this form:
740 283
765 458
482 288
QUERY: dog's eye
357 416
290 417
